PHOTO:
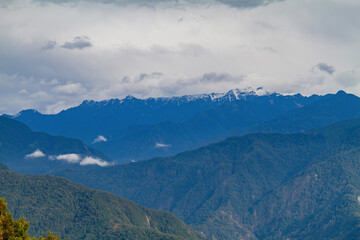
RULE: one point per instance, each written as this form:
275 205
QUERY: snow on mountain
232 95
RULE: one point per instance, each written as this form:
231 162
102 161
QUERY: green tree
11 229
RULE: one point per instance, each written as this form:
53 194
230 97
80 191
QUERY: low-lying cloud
94 161
100 138
36 154
70 158
162 145
79 159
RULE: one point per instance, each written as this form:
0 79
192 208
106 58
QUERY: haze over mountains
145 119
292 171
134 129
26 151
260 186
162 126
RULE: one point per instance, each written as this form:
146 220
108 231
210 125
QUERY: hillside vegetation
16 229
76 212
260 186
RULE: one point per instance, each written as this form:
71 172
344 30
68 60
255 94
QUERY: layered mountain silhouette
317 114
133 129
26 151
293 177
259 186
136 129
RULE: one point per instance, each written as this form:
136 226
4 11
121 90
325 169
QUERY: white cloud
36 154
69 88
100 138
77 159
272 46
162 145
70 158
94 161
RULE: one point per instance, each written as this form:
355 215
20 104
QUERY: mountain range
259 186
290 172
138 129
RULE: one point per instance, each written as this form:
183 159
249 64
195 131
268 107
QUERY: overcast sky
55 54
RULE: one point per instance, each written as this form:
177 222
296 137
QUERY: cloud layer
162 145
152 3
82 161
53 56
100 138
71 158
36 154
79 42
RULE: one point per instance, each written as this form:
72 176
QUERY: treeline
11 229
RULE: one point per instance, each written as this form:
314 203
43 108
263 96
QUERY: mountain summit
180 123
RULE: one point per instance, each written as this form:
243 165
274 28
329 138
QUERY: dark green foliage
76 212
260 186
11 229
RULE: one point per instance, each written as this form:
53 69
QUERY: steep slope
166 138
106 118
323 112
230 119
251 187
76 212
212 188
32 152
321 202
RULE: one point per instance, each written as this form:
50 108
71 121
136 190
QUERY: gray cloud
247 3
49 45
79 42
152 3
132 40
219 77
325 68
349 77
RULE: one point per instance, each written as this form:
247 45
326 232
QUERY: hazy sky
54 54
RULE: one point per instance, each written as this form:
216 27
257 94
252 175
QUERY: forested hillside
252 187
76 212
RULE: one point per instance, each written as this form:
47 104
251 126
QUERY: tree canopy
11 229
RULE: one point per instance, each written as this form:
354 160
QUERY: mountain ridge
91 119
76 212
222 189
32 152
